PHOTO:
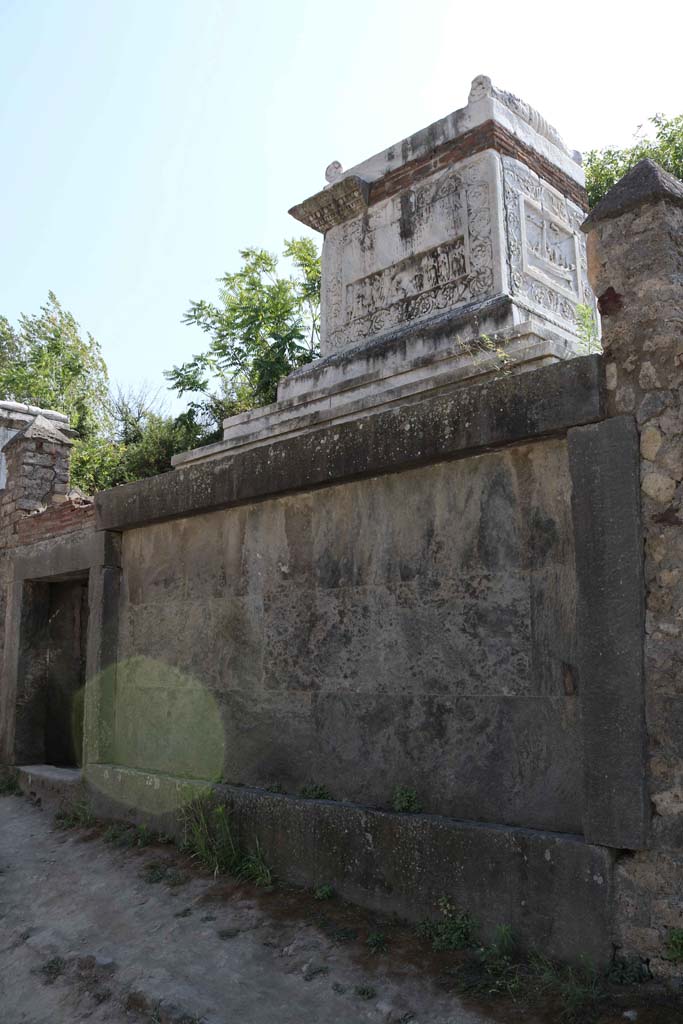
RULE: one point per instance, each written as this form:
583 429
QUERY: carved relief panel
546 249
427 250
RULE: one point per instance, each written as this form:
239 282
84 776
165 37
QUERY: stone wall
34 472
635 247
477 593
416 628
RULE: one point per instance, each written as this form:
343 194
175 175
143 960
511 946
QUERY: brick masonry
489 135
55 521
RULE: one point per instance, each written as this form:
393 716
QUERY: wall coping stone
453 424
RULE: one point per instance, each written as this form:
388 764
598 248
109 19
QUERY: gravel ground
84 936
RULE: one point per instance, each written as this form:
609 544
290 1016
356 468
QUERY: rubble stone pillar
37 473
635 257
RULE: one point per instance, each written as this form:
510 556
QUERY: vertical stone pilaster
603 460
102 648
635 253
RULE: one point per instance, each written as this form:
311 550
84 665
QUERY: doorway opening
51 679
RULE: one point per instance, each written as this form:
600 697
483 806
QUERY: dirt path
83 936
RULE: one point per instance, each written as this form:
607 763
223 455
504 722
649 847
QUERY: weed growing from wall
9 784
75 815
674 945
454 930
405 801
209 839
315 791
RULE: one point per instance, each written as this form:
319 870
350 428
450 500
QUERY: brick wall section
635 252
55 521
486 136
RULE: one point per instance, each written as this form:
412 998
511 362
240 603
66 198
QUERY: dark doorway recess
67 632
52 673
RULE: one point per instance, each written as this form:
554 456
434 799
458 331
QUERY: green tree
140 442
47 361
264 326
604 167
146 436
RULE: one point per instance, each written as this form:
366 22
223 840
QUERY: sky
145 142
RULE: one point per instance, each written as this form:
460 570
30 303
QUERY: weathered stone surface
554 890
609 562
465 420
635 247
659 487
650 443
343 200
14 417
418 625
381 374
440 223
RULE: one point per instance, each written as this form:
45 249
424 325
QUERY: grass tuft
455 930
405 801
53 969
128 837
9 784
577 990
674 945
315 791
77 814
208 838
377 942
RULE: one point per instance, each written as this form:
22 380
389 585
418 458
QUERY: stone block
611 626
554 890
442 426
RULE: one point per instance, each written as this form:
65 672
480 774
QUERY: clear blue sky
144 142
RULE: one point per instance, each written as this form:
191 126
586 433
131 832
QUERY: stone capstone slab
49 786
467 420
70 554
345 199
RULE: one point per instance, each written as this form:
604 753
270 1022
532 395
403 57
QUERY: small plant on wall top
405 801
587 328
315 791
674 945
